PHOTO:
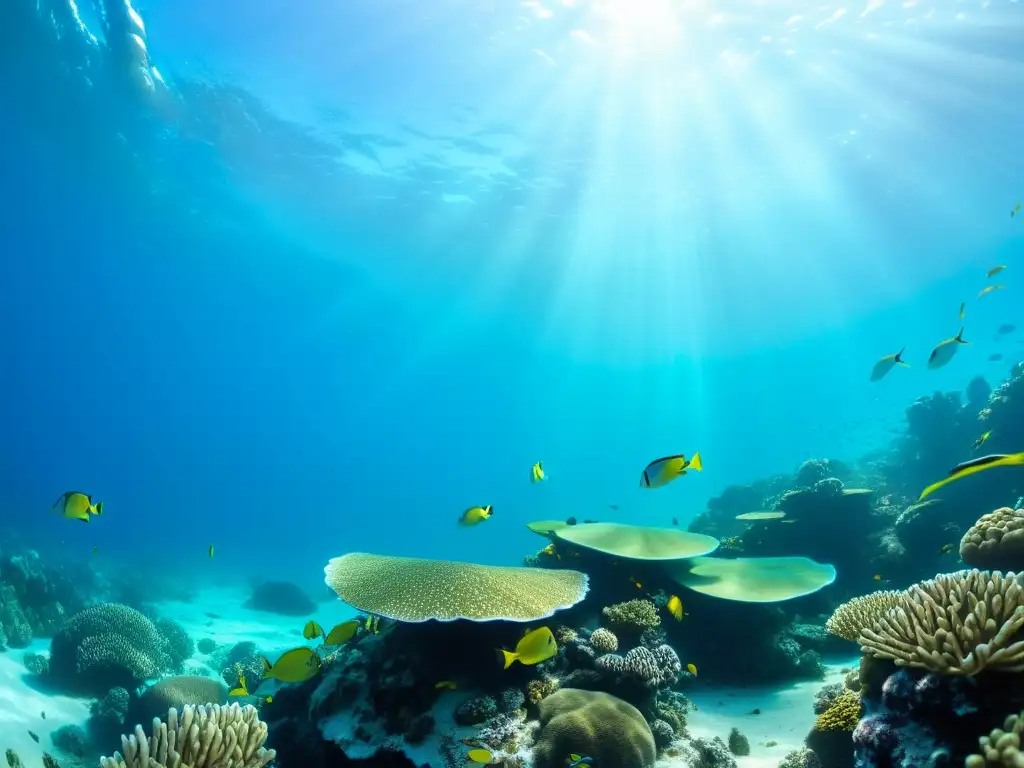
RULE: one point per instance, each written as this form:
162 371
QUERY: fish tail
1017 458
695 462
99 508
507 657
960 337
899 357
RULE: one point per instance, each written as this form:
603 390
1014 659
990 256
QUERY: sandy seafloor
786 714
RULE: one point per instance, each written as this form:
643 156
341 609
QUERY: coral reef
176 692
632 616
604 641
71 740
739 745
995 541
281 597
854 615
34 598
801 758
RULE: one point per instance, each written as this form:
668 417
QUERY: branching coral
604 641
957 623
995 541
205 737
652 668
635 615
1001 747
851 617
843 715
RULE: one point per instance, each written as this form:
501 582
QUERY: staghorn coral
540 688
843 715
995 541
652 668
420 590
851 617
635 615
957 623
604 641
205 737
1000 747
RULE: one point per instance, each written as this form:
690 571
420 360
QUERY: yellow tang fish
692 669
445 684
480 756
995 270
675 607
975 465
312 630
295 666
534 647
342 633
475 515
945 350
1015 211
537 472
990 288
76 505
886 364
963 308
981 440
664 470
243 690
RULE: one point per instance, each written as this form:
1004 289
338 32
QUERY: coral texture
604 641
851 617
843 715
635 615
177 692
995 541
1002 746
652 668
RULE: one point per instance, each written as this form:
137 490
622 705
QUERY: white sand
787 715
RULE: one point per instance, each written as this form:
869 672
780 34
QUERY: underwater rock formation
281 597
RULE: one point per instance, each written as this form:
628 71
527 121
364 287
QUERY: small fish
963 309
577 760
692 669
995 270
534 647
664 470
877 577
472 742
981 440
635 583
945 549
34 737
675 521
243 690
312 630
537 472
75 505
42 715
886 364
480 756
945 350
1006 328
95 549
1015 211
989 288
373 624
995 358
549 550
448 685
295 666
342 633
675 607
975 465
475 515
614 506
209 551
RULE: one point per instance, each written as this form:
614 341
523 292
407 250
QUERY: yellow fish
990 288
664 470
692 669
635 583
975 465
995 270
210 551
886 364
535 647
295 666
537 472
963 308
945 350
675 607
243 690
75 505
312 630
480 756
373 624
549 549
475 515
981 440
877 577
1015 211
342 633
445 684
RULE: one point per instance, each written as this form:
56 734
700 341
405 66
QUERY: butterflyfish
577 760
945 350
475 515
989 288
664 470
312 630
75 505
981 440
692 669
448 685
342 633
537 472
243 690
480 756
995 270
295 666
534 647
976 465
1015 210
886 364
675 607
963 308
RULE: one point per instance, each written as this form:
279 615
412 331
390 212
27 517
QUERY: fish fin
695 462
960 337
266 665
507 657
84 519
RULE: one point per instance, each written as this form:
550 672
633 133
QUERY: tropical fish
675 521
75 505
635 583
664 470
976 465
209 551
1015 211
577 760
877 577
1006 328
243 690
480 756
373 624
945 350
475 515
295 666
946 549
549 550
995 270
886 364
534 647
981 440
312 630
448 685
995 358
963 308
675 607
692 669
342 633
537 472
989 288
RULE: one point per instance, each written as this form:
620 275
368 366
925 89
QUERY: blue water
357 266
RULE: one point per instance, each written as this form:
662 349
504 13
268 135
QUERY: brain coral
854 615
106 646
178 691
415 589
957 623
593 724
996 541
